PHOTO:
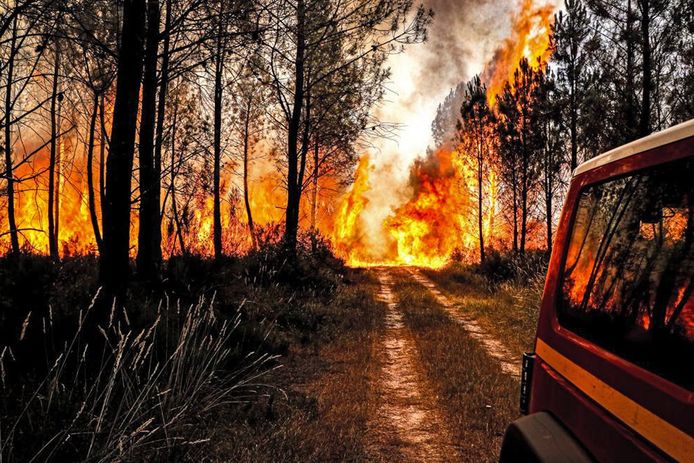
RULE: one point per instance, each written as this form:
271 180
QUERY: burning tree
478 145
298 35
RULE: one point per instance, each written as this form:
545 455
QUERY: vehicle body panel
607 437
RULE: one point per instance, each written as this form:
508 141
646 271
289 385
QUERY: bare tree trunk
90 173
9 173
573 108
645 122
549 182
293 187
149 241
631 120
115 261
480 179
172 185
314 199
514 181
161 114
218 100
246 198
53 200
102 154
524 207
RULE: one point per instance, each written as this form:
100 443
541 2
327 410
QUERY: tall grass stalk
150 393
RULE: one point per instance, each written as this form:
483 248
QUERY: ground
423 376
251 360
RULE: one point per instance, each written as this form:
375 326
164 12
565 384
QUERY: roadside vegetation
503 294
246 359
477 397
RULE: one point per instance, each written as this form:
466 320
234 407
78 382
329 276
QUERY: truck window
628 276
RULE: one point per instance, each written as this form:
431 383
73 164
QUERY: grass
140 398
509 308
479 400
276 369
322 404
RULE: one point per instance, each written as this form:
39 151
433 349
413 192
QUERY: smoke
463 40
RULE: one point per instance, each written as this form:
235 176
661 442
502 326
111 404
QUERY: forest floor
422 376
316 363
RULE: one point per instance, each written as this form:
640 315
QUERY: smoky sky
464 35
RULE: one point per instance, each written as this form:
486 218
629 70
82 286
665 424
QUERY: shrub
506 267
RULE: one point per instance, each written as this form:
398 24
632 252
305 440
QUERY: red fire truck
612 375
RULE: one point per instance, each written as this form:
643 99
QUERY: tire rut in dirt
408 425
509 363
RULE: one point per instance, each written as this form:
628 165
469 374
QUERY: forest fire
438 218
530 39
435 220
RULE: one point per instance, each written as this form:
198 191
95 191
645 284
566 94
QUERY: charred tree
149 236
114 262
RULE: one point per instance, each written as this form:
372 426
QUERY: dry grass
146 394
320 409
181 383
509 309
478 398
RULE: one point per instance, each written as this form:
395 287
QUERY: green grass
479 400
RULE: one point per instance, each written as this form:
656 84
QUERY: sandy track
510 363
408 425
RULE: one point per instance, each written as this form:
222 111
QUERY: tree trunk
246 198
218 100
149 241
102 155
549 181
514 182
631 119
172 186
293 188
9 173
114 262
314 199
524 214
645 122
480 175
53 182
573 123
161 114
90 173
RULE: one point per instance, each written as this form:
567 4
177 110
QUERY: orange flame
439 217
530 39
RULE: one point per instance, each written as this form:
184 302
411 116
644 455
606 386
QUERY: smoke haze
462 39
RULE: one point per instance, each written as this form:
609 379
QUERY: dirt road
413 422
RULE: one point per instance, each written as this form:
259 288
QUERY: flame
348 233
529 39
438 217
